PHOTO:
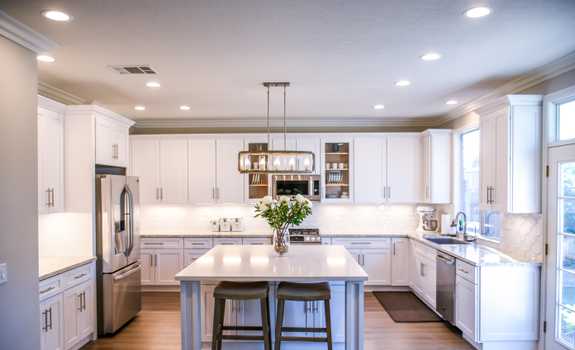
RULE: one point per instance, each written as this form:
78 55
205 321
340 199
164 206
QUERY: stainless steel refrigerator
118 251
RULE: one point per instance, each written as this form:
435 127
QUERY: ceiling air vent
134 69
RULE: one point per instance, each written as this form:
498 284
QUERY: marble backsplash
328 217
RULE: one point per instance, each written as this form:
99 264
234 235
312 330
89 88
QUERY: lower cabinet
400 261
373 254
51 323
422 272
465 305
67 315
159 266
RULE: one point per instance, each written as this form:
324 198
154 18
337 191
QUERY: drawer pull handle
47 290
198 243
80 276
462 270
361 243
153 243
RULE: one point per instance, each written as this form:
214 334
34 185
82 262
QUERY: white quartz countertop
261 263
247 234
50 266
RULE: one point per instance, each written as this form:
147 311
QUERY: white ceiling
342 57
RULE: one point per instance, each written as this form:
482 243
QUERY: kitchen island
302 263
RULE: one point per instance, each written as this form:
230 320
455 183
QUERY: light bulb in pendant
291 163
276 163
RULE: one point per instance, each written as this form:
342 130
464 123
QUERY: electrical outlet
3 273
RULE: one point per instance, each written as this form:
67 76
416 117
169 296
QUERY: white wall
19 306
328 217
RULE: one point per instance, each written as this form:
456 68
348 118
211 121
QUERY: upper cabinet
436 163
230 182
50 157
202 170
162 166
337 169
387 168
112 135
511 155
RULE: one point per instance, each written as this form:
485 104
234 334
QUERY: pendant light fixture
272 161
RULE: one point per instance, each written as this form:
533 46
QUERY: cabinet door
174 171
202 174
168 263
428 278
111 143
148 271
465 306
86 313
50 161
191 255
370 175
71 312
400 261
278 143
488 154
146 166
311 144
426 166
403 168
501 161
230 183
51 323
377 264
298 314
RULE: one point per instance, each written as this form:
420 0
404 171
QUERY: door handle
45 325
80 301
48 201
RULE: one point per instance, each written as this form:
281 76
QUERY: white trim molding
59 95
95 109
530 79
24 35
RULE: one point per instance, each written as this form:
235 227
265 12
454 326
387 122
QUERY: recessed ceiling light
477 12
45 58
378 106
185 108
140 108
55 15
153 84
402 83
431 56
451 102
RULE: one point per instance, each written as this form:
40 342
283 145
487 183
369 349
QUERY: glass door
258 183
561 239
337 170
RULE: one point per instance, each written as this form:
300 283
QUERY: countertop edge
66 268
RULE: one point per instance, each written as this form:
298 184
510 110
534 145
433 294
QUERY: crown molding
530 79
24 35
59 95
95 109
314 122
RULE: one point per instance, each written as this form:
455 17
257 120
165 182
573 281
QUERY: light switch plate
3 273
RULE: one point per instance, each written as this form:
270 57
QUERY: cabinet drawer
257 241
423 250
50 287
466 271
198 243
78 275
363 243
161 243
228 241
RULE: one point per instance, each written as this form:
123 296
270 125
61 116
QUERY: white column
354 318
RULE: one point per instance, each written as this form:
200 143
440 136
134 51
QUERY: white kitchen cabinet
337 185
148 271
50 161
423 273
465 307
202 170
230 182
387 168
112 138
400 261
78 314
511 155
159 266
51 323
162 166
278 142
436 162
403 168
373 255
370 171
311 144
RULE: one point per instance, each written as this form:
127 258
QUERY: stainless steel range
304 236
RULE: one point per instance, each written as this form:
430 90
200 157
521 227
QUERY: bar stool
240 291
302 292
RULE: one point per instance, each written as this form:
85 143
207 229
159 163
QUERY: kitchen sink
445 240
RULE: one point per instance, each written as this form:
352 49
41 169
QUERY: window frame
460 178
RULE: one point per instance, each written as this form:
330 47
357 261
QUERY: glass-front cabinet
336 169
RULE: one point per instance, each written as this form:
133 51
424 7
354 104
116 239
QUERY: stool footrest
302 329
305 339
242 337
241 328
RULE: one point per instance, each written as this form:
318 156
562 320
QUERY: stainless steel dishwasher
445 298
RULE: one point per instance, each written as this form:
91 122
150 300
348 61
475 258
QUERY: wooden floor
158 328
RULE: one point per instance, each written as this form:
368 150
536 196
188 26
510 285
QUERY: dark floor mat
405 307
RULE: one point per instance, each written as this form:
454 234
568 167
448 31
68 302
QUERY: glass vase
281 241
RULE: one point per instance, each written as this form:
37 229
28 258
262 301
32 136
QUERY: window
566 120
470 186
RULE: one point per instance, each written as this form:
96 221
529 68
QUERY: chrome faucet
460 223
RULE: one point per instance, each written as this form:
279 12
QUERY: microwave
291 185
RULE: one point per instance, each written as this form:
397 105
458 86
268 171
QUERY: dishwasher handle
446 259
